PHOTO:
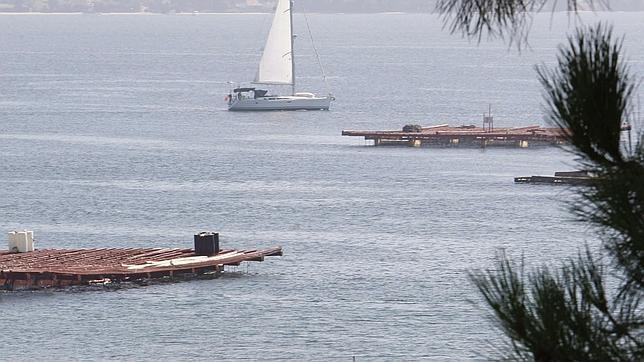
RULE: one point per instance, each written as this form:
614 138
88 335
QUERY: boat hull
281 103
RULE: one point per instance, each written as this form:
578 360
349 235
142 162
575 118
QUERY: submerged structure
578 178
23 266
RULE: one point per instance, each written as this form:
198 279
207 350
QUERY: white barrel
12 242
21 241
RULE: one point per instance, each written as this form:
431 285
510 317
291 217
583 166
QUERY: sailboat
277 67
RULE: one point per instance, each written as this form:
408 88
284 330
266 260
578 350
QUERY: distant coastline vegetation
237 6
209 6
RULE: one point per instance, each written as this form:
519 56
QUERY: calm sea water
113 132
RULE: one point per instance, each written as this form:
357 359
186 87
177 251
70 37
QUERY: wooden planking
115 262
442 133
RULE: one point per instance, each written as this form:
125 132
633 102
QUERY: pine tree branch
502 19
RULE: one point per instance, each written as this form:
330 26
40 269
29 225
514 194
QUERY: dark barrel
206 243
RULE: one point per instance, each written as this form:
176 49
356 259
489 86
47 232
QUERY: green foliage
588 96
500 18
568 313
562 315
496 17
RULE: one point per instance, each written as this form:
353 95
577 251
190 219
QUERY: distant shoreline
200 13
83 13
262 13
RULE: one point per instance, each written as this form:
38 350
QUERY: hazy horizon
244 6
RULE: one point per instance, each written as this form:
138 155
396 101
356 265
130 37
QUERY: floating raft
54 267
580 178
469 136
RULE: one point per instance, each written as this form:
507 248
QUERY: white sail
276 65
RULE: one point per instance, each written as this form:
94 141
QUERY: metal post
290 13
488 120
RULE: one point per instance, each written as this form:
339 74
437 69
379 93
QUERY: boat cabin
246 93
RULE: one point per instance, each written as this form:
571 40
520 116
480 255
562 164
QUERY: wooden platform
469 136
53 267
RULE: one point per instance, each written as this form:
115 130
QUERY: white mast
290 13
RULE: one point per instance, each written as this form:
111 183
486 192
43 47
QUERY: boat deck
56 267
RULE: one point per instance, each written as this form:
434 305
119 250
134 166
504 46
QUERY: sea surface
114 133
